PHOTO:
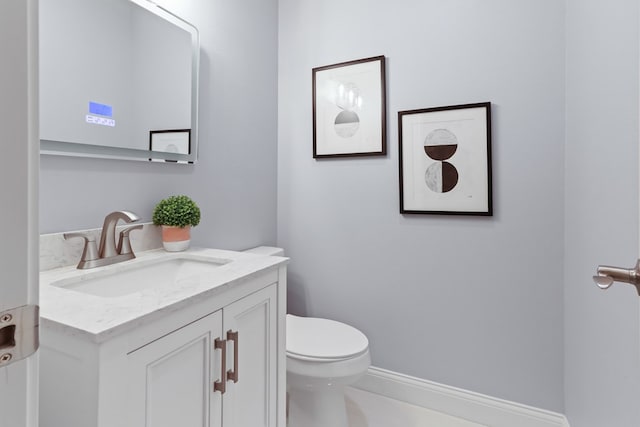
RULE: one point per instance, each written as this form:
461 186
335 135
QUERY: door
19 191
252 359
171 380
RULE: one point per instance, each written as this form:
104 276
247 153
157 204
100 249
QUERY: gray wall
234 181
470 302
602 332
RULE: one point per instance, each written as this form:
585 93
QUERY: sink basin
133 277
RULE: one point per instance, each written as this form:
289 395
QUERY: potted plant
176 215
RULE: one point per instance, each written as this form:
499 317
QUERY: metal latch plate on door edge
19 333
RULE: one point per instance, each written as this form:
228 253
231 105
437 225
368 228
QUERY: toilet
323 357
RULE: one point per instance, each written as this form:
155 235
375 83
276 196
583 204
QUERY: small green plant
176 211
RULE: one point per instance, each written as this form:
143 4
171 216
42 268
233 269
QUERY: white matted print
349 112
170 141
445 160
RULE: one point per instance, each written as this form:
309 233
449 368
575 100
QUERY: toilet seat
323 340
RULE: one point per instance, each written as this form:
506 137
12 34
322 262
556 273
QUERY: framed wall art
445 160
349 109
170 141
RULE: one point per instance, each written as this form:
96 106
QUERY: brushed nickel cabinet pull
221 384
232 374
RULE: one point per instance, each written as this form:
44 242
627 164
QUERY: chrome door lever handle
607 275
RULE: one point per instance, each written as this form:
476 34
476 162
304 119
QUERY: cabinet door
171 379
251 401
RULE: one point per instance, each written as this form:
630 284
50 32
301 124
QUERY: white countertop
99 318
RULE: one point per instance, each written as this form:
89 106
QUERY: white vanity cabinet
173 380
175 366
170 379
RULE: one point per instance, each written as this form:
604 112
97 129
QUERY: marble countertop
99 317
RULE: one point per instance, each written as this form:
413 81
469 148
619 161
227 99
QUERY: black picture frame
445 160
173 141
349 109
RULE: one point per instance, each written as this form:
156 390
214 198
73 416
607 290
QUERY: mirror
118 79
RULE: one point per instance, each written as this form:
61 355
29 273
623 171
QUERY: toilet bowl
323 357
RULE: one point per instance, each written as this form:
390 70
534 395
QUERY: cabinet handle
221 385
232 374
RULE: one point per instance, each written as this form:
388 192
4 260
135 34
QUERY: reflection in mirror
118 79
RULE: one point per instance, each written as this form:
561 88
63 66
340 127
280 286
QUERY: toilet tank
266 250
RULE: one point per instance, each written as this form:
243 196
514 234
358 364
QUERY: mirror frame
61 148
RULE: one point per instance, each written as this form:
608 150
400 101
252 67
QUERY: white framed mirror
118 79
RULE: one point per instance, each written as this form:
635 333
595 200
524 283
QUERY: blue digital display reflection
100 109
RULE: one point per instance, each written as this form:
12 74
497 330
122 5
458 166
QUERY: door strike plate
19 333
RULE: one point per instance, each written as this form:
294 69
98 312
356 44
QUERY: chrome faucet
109 252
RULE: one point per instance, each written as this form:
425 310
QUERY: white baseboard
474 407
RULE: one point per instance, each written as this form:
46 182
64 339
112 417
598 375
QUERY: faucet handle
90 251
124 244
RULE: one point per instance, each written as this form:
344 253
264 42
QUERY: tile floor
366 409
